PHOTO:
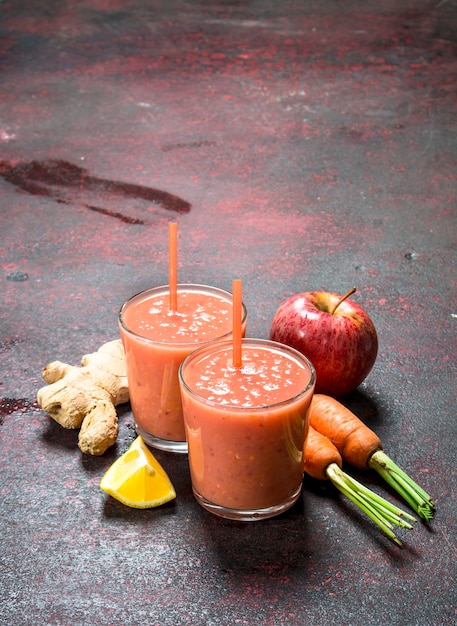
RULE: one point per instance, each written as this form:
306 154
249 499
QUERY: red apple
335 333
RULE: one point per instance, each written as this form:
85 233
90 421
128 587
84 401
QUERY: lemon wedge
137 479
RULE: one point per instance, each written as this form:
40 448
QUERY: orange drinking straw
173 264
237 314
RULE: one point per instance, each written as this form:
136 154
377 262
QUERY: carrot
323 461
362 448
354 440
319 453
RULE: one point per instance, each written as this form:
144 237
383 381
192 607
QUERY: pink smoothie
156 340
246 426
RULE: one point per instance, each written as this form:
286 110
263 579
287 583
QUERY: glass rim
215 345
187 286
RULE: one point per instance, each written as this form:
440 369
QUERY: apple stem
346 295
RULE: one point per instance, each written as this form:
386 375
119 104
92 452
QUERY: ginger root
85 397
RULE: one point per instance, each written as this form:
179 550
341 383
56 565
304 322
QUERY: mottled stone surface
299 146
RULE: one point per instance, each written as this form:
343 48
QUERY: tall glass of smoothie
246 426
156 340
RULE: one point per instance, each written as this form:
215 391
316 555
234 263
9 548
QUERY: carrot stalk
404 485
383 513
387 507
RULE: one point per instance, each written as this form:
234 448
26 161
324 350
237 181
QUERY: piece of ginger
85 397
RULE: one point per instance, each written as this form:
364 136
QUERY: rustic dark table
299 146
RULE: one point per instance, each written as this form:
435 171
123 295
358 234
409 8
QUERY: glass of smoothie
156 340
246 426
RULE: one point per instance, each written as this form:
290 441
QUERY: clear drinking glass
246 427
156 340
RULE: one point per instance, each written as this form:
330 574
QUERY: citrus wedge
137 479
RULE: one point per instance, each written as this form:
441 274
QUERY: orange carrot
319 453
355 441
362 448
323 461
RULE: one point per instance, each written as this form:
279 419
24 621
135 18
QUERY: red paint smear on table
57 178
13 405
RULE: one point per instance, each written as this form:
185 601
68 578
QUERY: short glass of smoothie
246 426
156 340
